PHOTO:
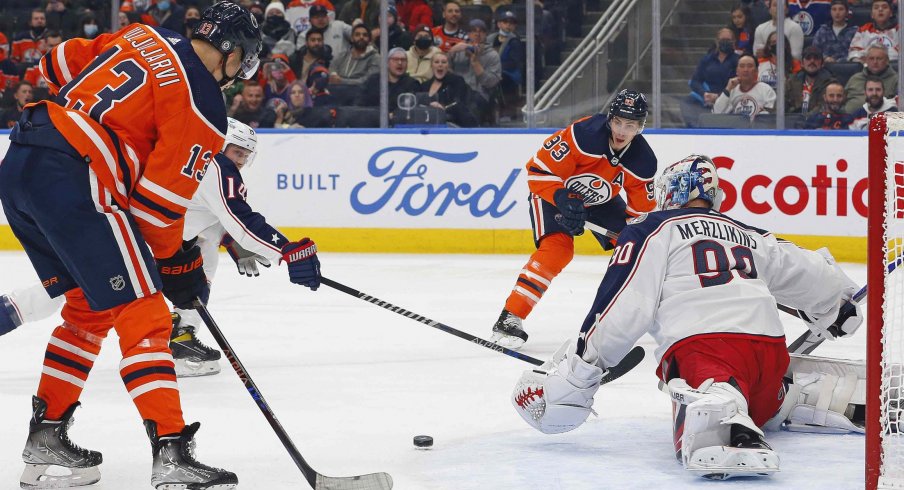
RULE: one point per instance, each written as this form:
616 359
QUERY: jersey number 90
714 267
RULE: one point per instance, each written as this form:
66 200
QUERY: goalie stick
372 481
628 363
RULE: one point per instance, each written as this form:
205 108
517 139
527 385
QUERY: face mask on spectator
423 42
275 20
163 5
90 29
192 23
317 52
726 46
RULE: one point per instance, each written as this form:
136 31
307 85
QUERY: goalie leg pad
711 411
557 397
823 403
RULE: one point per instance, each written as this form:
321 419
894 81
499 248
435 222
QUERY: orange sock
71 353
553 254
147 367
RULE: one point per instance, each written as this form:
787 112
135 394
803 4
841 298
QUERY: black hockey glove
571 207
183 276
304 266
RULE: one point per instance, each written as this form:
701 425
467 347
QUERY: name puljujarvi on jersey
158 59
714 229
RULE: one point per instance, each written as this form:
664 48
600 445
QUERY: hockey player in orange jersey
576 176
95 186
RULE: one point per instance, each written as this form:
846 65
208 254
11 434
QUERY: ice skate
192 358
51 459
507 331
175 467
748 455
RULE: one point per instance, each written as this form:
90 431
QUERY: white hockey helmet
243 136
694 177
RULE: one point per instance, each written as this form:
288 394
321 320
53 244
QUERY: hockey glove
183 276
849 319
245 261
304 266
571 207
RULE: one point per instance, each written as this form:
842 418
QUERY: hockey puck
423 442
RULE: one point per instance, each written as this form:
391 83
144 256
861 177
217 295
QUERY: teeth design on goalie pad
41 476
721 462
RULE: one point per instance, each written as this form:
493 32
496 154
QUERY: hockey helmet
694 177
243 136
629 104
227 26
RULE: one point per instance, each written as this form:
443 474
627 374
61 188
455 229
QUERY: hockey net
885 339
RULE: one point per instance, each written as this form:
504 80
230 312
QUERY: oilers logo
592 188
805 21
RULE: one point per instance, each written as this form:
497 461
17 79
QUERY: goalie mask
694 177
243 136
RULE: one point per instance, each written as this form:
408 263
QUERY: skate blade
723 463
507 341
186 368
194 486
39 476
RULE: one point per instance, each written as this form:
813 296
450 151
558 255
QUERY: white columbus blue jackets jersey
695 272
220 206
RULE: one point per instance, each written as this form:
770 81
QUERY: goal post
885 304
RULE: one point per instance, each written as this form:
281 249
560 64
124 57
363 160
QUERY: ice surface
353 383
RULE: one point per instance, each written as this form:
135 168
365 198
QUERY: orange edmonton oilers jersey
580 159
146 114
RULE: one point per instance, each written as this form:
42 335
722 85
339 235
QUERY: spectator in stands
413 13
875 104
793 34
512 54
89 27
28 46
768 63
829 115
449 92
167 14
809 15
191 20
399 37
277 75
318 83
710 78
744 94
479 65
61 18
278 35
743 28
877 66
298 14
249 108
366 10
33 73
759 10
450 32
400 82
313 52
257 11
420 55
357 63
882 30
808 84
300 111
23 93
835 38
336 33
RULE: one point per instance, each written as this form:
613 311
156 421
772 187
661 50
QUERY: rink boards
465 191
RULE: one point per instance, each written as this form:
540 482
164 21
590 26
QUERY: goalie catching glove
183 276
573 213
557 396
304 266
845 317
244 260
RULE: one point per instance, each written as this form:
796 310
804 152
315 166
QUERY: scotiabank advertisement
790 184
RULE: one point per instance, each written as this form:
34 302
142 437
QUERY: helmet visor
250 63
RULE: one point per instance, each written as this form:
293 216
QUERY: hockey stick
628 363
372 481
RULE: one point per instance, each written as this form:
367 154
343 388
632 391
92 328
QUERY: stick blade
372 481
628 363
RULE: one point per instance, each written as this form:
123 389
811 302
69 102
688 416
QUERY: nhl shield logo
117 283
